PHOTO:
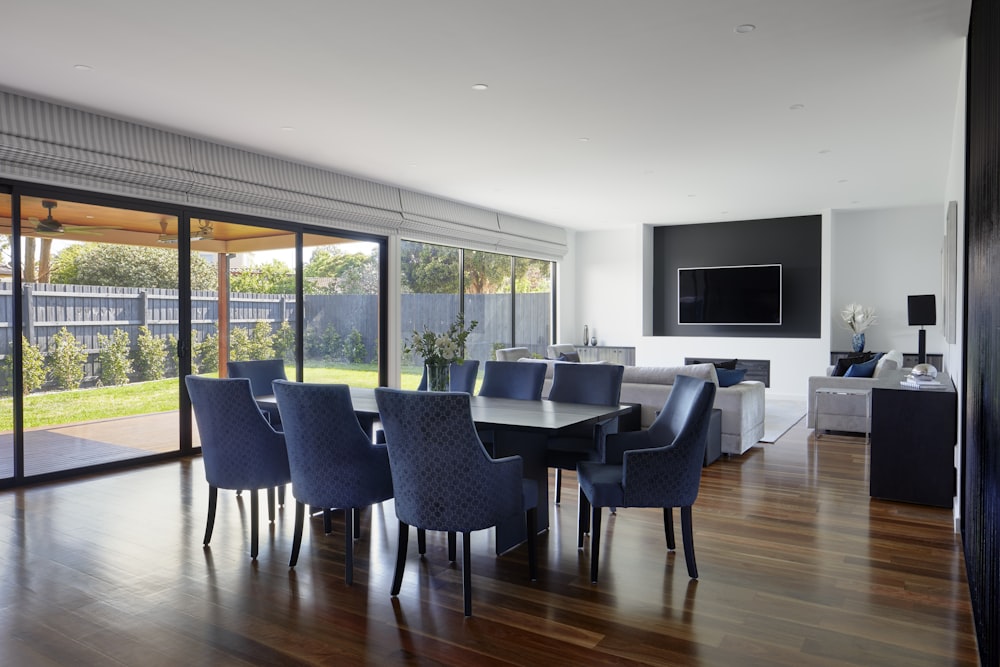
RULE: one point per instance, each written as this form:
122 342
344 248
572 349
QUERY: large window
510 298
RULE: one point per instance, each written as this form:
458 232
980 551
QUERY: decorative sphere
924 372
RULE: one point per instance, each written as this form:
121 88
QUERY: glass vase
438 377
858 342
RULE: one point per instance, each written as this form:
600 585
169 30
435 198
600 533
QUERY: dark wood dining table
519 428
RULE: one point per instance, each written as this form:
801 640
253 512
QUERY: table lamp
921 311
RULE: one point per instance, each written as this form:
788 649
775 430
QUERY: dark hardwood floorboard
798 567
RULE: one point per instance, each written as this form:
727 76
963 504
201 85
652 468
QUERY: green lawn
69 407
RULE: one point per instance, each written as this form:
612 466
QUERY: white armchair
512 353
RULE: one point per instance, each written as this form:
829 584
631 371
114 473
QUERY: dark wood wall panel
981 429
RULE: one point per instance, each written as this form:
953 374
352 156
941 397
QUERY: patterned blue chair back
461 376
590 384
260 373
332 461
512 379
239 448
669 475
442 476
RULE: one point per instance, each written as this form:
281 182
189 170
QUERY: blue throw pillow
865 370
569 356
727 377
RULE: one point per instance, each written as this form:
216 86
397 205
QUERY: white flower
857 318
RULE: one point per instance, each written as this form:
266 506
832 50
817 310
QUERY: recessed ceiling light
745 28
692 195
479 86
843 180
287 128
583 140
724 212
824 151
83 68
797 107
90 217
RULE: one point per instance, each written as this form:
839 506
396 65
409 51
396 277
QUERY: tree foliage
116 265
333 271
428 269
272 278
66 359
150 355
113 357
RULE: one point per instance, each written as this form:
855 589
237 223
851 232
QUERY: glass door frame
184 215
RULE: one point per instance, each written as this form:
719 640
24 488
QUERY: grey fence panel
86 311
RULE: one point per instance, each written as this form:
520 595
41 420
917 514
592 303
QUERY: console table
909 360
913 437
615 355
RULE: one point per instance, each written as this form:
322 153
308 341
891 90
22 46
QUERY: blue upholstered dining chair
591 384
443 478
659 467
461 376
511 379
332 462
261 372
239 447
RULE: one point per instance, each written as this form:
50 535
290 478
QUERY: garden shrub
66 359
150 356
32 368
355 351
284 342
113 357
205 354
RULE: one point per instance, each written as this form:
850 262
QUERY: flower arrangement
857 318
439 349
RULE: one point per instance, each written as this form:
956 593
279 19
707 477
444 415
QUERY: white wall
875 257
879 258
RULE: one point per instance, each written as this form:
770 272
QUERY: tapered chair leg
558 485
300 515
421 541
357 523
397 576
531 519
327 520
349 545
583 520
451 546
467 571
254 520
281 495
270 504
213 501
595 543
668 527
688 536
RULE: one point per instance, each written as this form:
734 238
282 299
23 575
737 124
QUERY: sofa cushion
666 374
729 377
862 370
889 361
846 362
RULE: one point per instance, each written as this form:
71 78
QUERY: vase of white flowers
857 318
439 350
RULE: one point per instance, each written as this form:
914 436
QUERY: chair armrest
617 444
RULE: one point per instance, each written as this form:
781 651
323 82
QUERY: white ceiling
687 120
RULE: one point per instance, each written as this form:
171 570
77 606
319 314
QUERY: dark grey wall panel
981 366
795 243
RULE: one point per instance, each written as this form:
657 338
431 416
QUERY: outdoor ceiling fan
205 231
50 225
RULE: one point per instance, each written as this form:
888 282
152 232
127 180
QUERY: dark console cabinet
913 444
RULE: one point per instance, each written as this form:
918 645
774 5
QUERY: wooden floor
798 567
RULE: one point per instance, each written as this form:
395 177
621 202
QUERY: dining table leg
531 448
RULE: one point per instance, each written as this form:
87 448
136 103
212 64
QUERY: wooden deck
798 567
91 443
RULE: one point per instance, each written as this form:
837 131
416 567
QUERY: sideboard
615 355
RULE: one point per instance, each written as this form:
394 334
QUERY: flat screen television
729 295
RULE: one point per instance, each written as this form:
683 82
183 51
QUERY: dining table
518 428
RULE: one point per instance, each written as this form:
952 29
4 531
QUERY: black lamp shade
921 310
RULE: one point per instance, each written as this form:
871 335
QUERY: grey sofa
849 411
742 405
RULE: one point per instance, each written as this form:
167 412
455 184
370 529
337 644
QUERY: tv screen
729 294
